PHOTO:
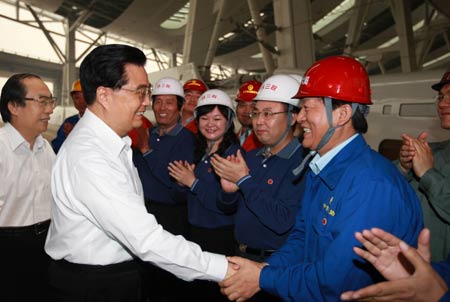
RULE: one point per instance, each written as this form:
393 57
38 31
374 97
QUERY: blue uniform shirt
178 144
269 199
60 136
202 200
358 189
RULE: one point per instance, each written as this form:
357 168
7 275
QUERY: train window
418 109
387 109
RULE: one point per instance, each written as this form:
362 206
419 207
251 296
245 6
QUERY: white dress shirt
99 217
25 194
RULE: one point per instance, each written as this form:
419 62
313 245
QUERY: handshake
242 279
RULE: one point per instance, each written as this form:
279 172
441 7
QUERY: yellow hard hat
76 86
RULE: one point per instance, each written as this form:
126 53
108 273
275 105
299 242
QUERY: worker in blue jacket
268 196
164 197
348 187
169 141
76 93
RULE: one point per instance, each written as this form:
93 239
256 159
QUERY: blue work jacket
268 201
443 269
178 144
60 135
203 197
358 189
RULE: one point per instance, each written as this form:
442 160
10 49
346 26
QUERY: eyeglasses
267 115
443 97
142 92
43 101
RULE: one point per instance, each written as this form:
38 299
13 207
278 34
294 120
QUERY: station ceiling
141 21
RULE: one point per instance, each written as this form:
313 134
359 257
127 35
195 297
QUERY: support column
69 69
359 14
269 64
295 38
402 14
198 31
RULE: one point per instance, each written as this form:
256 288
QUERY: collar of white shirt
17 139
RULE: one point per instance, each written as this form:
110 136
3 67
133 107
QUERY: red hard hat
248 91
337 77
195 84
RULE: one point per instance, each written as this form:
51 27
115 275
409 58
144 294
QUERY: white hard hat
215 97
279 88
298 77
168 86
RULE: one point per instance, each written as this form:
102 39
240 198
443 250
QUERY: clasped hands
242 279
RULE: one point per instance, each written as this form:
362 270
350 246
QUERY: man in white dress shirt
26 160
99 222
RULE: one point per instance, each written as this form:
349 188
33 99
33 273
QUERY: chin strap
364 109
327 136
285 132
302 165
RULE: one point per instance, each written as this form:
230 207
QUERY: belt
37 229
253 251
120 267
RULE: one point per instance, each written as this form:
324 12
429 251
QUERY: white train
403 103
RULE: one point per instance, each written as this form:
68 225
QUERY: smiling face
443 107
269 131
128 106
166 111
213 125
313 119
32 119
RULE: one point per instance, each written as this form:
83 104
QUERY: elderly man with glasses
26 160
426 166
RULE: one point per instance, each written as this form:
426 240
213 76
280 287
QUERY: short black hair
105 66
359 121
14 91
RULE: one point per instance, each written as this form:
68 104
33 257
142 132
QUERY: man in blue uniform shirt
349 187
80 104
164 197
267 198
268 192
168 142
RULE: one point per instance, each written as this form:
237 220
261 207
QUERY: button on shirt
99 217
25 194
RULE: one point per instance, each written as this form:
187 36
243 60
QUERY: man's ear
343 114
14 108
103 96
294 118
